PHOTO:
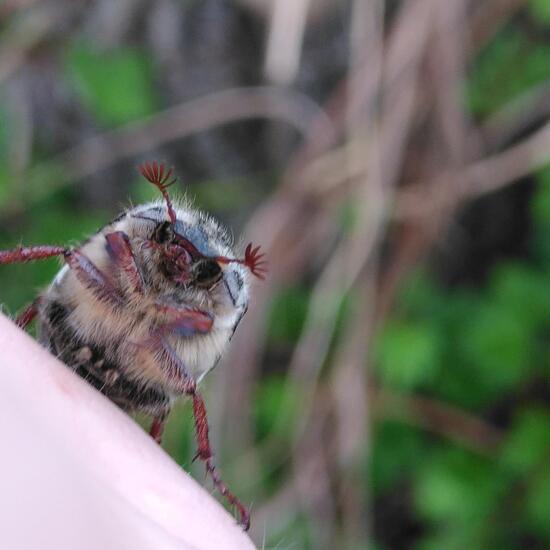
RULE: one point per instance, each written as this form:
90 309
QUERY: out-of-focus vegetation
406 405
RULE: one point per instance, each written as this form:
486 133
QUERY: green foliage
116 86
540 10
347 216
527 444
397 452
276 410
537 503
178 438
540 204
497 345
285 537
5 182
276 407
408 354
287 315
474 349
457 487
521 293
492 83
5 176
4 134
540 214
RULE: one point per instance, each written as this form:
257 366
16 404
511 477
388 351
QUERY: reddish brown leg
204 452
176 370
184 322
27 254
157 427
92 278
120 251
30 253
87 273
28 314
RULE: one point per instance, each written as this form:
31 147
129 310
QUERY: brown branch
479 178
439 417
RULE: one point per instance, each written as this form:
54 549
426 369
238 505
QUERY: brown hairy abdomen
89 362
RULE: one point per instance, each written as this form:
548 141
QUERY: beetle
145 307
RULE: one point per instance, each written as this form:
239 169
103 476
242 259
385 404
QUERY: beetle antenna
159 176
253 259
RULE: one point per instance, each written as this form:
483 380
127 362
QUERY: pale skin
76 472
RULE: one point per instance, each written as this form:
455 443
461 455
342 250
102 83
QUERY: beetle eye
164 233
207 273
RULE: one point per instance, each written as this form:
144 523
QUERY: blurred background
390 385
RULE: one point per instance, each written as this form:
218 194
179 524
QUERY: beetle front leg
24 318
29 253
183 321
86 272
92 278
121 253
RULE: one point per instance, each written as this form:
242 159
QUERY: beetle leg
204 452
87 273
157 427
184 321
92 278
28 314
29 253
120 251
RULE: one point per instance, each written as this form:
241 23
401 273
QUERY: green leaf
287 315
453 539
527 444
540 202
458 488
5 130
276 404
5 180
421 298
540 214
179 435
116 86
408 354
397 451
540 10
347 216
521 293
498 346
492 84
538 503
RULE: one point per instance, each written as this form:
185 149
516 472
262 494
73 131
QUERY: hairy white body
122 333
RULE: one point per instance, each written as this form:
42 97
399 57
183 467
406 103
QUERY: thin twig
439 417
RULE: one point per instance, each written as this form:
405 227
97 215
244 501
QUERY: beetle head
183 262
